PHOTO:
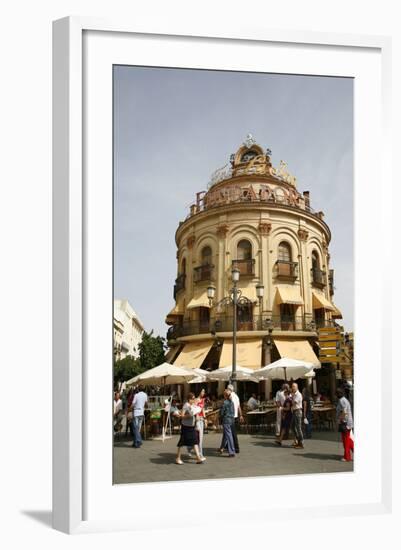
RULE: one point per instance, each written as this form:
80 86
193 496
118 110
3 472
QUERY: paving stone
259 456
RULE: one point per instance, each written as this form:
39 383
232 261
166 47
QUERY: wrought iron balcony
286 271
331 281
224 323
204 273
189 328
179 284
246 267
318 278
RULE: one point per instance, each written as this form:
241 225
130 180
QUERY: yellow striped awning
172 354
297 349
336 314
193 354
177 311
319 301
199 299
249 353
288 294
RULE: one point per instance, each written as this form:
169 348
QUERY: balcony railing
225 324
318 277
331 281
246 267
189 328
286 270
204 273
179 284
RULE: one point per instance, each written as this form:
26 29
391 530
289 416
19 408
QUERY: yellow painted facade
252 216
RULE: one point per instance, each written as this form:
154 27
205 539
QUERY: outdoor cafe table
322 413
257 416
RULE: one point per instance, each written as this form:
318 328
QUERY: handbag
342 427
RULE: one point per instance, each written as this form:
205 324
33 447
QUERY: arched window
284 252
286 268
318 276
244 261
315 260
244 250
180 280
248 155
206 256
204 271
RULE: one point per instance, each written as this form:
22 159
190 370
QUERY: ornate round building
251 217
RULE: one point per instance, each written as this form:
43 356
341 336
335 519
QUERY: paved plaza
259 456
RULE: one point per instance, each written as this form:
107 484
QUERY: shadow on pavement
269 443
163 458
318 456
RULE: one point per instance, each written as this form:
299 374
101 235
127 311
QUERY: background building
127 329
252 217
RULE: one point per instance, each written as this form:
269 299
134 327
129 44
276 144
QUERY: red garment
348 444
201 404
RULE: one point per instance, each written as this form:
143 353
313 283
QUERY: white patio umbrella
285 368
164 374
200 376
243 374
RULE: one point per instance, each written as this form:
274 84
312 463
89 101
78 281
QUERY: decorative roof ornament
220 174
283 174
249 141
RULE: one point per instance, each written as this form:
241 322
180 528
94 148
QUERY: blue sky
174 127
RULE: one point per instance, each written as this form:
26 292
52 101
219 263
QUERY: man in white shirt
252 402
296 408
118 411
280 398
237 415
138 414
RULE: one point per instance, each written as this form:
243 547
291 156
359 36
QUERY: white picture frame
77 41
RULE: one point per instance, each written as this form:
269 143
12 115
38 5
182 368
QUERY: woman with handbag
189 436
345 424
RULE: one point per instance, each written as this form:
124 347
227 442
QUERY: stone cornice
257 206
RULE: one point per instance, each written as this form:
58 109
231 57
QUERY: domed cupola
250 157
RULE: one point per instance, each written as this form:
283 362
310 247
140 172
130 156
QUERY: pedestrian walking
118 412
296 408
280 398
286 416
189 436
307 405
200 423
237 415
345 424
138 414
227 418
201 418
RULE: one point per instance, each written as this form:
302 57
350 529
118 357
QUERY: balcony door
319 315
244 261
244 317
204 319
287 316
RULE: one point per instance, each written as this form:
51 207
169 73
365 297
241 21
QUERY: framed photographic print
218 199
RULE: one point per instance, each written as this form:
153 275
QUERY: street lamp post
260 291
233 299
235 278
